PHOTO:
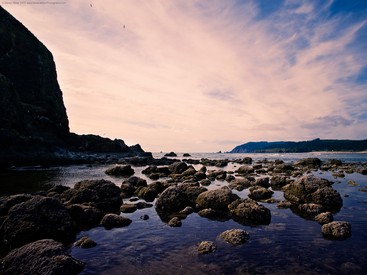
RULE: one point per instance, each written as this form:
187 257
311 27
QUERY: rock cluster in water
61 212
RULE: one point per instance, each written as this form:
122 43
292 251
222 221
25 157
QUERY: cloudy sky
204 76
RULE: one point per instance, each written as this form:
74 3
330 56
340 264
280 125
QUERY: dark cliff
34 126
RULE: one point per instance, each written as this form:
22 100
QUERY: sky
204 76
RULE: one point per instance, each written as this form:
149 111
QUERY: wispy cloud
186 75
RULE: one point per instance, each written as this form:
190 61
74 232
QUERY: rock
110 221
178 167
338 230
175 222
85 216
246 211
151 191
171 154
8 202
338 174
35 219
142 205
103 193
311 189
206 247
235 236
205 182
128 208
309 162
245 170
240 184
230 178
324 218
335 162
190 171
85 242
192 191
279 181
187 211
200 175
186 155
311 209
284 204
173 199
120 170
144 217
263 182
260 193
217 199
246 160
40 257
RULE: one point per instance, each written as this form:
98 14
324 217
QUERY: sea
290 244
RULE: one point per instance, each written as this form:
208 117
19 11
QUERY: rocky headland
34 126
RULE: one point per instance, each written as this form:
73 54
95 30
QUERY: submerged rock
338 230
235 236
40 257
206 247
85 242
110 221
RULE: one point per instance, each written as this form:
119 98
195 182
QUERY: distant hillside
301 146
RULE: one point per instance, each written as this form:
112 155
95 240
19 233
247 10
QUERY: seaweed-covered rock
217 199
235 236
260 193
246 211
338 230
206 247
41 257
110 221
120 170
37 218
311 189
103 193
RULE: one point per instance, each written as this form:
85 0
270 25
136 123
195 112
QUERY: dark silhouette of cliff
34 127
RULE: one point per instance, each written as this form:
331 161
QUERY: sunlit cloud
201 76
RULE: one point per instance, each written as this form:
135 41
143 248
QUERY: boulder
85 216
35 219
171 154
128 208
311 189
235 236
245 170
338 230
263 182
217 199
110 221
178 167
246 211
103 193
120 171
240 183
173 199
41 257
324 218
192 191
85 242
309 163
8 202
206 247
151 191
260 193
278 181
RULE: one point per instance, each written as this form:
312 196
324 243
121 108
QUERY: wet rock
85 242
200 175
192 191
217 199
8 202
120 170
85 216
352 183
260 193
142 205
338 230
110 221
150 192
206 247
186 155
35 219
235 236
175 222
178 167
40 257
279 181
205 182
128 208
246 160
190 171
150 169
311 189
284 204
311 209
173 199
144 217
57 190
171 154
338 174
245 170
246 211
309 162
240 183
263 182
103 193
230 178
209 213
335 162
324 218
187 211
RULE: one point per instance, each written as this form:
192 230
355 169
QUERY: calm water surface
289 245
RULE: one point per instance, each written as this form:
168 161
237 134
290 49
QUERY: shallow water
289 245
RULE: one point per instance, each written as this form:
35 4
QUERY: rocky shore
51 220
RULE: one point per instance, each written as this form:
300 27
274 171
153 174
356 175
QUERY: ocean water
289 245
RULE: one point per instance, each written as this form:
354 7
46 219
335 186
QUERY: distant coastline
316 145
